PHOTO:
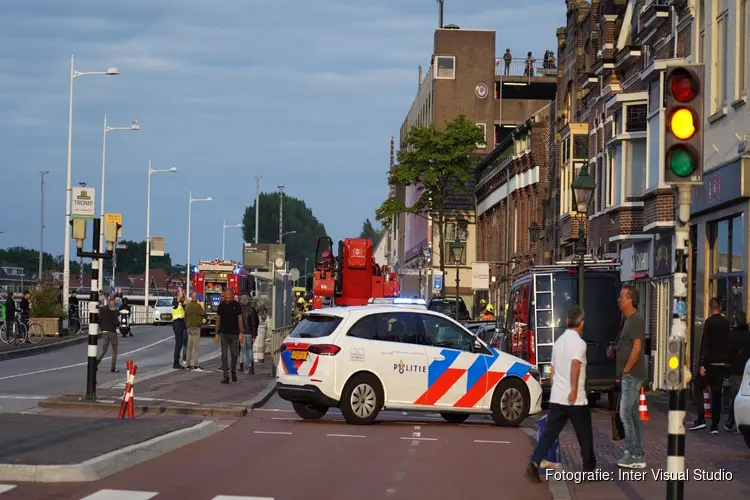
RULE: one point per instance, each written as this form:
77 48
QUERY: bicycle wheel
4 334
74 327
35 333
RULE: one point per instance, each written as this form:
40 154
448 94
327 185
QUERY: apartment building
464 76
719 212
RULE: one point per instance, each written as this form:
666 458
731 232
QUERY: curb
262 397
558 488
30 351
200 411
110 463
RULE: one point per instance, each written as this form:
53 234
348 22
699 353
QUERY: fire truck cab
213 279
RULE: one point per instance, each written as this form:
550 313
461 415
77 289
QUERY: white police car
400 356
742 406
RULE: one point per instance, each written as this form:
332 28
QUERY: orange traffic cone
706 404
642 408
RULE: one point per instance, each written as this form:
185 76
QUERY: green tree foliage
297 217
44 303
132 260
369 231
439 162
29 259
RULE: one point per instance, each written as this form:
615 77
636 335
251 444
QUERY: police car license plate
299 355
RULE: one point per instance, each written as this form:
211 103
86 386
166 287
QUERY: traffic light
675 362
684 124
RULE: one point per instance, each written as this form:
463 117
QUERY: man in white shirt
567 397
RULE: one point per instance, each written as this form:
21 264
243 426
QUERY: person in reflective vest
489 313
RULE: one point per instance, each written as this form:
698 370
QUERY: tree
439 163
369 231
28 259
297 217
132 259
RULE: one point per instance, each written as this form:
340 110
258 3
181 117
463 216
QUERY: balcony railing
520 67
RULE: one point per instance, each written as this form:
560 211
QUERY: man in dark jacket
251 320
739 352
108 320
10 316
713 366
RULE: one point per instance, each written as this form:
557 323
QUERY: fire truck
213 279
352 278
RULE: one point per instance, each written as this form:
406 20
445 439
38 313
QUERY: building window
483 126
463 231
654 152
445 67
742 29
580 147
722 65
636 118
726 239
635 171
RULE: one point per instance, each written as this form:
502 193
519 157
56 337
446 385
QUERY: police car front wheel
510 403
362 399
309 412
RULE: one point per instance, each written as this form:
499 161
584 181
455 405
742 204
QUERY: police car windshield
315 326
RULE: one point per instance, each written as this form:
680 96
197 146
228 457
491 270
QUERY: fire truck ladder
544 322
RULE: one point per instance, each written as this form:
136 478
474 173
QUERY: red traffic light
683 85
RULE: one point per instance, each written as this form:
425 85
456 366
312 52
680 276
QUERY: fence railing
139 315
274 341
520 67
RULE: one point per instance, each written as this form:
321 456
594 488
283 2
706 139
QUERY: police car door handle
439 358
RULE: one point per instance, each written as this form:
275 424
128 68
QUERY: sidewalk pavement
704 452
182 392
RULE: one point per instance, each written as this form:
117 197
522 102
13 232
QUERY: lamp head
173 169
209 199
112 71
134 125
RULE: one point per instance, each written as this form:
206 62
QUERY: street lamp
420 264
133 127
583 187
306 259
190 217
41 229
224 236
68 193
148 227
457 253
282 236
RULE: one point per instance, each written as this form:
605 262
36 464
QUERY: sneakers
225 381
197 369
177 366
242 367
252 370
714 430
629 461
234 377
532 473
698 425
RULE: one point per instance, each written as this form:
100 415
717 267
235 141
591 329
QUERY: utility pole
257 205
281 214
41 230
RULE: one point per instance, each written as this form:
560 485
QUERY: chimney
419 83
440 13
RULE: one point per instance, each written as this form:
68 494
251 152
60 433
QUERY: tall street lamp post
148 228
68 188
583 187
190 220
133 127
420 265
457 253
281 238
41 229
224 236
305 279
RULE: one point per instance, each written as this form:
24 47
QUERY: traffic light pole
678 375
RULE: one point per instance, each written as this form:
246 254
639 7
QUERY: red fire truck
213 279
352 278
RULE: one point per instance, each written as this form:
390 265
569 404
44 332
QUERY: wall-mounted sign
480 276
482 91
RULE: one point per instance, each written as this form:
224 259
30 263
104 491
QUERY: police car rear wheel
510 403
309 412
455 418
362 400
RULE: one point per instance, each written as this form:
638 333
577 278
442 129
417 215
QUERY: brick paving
705 452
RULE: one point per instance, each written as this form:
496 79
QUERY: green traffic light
681 162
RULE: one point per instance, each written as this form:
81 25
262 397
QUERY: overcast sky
306 94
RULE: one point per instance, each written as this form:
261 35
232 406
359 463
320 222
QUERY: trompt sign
83 203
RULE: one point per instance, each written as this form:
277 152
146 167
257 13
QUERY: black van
540 299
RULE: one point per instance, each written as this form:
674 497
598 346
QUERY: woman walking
178 327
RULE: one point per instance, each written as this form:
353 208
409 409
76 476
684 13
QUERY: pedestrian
178 327
507 58
108 317
10 316
194 318
567 397
713 366
529 65
251 322
630 360
739 352
229 328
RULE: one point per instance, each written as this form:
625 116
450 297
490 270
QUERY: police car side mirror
477 346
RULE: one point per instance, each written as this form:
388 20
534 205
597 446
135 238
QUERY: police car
400 356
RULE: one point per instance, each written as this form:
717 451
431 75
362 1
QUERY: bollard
128 386
553 455
131 397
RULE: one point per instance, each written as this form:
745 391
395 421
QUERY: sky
304 94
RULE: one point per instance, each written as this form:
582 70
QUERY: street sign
157 246
121 246
83 203
116 218
294 274
437 280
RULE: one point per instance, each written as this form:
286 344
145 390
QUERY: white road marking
6 487
234 497
23 396
169 401
493 442
416 434
419 439
122 354
346 435
120 495
416 427
273 432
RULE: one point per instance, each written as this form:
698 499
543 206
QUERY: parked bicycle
20 331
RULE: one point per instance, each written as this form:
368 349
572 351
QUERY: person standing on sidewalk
739 352
568 397
108 322
250 318
178 327
713 367
194 317
229 328
631 366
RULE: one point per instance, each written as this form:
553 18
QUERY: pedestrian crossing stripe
136 495
6 487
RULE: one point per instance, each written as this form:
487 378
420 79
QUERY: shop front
719 249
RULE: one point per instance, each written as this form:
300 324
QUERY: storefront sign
480 276
720 186
663 256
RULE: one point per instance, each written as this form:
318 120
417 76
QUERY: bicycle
34 332
20 335
74 321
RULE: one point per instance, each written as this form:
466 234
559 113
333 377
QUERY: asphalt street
25 381
273 455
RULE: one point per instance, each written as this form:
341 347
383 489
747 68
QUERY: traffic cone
706 404
642 408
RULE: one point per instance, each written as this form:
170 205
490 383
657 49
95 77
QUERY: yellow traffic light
673 362
682 124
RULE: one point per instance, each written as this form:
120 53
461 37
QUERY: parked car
475 326
447 306
163 311
742 406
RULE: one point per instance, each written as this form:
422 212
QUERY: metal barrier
519 67
274 341
139 315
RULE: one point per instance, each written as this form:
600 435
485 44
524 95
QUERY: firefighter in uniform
489 313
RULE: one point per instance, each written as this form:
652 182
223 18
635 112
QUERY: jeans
631 419
178 327
736 381
557 417
193 345
229 343
247 352
714 379
109 338
184 345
